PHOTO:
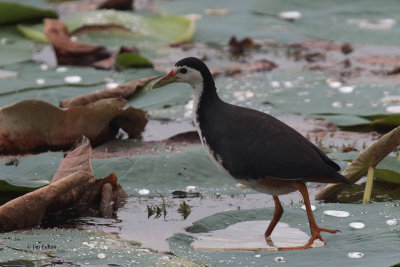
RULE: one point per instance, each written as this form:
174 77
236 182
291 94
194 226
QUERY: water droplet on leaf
357 225
101 255
337 213
279 259
393 109
355 255
303 207
73 79
290 15
61 69
40 81
391 222
143 192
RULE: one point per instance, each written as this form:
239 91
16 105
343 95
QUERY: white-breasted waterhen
255 148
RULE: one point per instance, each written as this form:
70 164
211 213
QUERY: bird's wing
257 145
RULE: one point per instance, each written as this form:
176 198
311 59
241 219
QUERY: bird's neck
205 101
204 96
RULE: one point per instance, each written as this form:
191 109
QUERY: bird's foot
315 234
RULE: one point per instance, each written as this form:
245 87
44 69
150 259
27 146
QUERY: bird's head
189 70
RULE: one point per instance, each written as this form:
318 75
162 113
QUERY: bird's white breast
215 158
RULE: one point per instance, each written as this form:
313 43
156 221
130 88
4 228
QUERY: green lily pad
13 47
79 246
132 60
357 21
167 172
377 233
213 28
159 173
147 32
387 170
28 172
23 10
310 94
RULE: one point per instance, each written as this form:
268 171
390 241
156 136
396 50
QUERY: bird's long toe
329 230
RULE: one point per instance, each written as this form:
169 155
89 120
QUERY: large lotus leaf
53 87
159 172
13 47
146 31
219 29
311 95
167 172
387 170
376 234
28 172
78 247
357 21
23 10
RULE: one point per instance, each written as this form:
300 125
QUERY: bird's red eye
171 73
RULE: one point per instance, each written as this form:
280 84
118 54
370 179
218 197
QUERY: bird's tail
340 178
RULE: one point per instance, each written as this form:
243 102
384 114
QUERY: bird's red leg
277 216
315 230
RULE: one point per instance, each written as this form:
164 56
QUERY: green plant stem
368 185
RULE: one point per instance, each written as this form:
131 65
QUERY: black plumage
254 145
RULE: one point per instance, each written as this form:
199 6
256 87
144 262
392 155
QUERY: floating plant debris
184 210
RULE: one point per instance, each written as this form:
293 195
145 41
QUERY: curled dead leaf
73 183
125 91
50 127
238 47
117 4
79 159
239 67
29 209
70 52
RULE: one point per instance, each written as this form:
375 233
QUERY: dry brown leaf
125 91
117 4
69 52
255 66
72 183
79 159
49 127
238 47
29 209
